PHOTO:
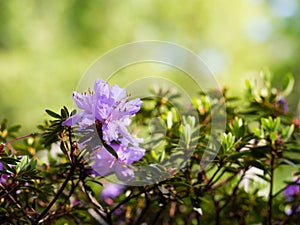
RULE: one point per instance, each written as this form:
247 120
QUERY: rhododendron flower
291 191
3 177
110 111
108 106
282 104
111 190
126 156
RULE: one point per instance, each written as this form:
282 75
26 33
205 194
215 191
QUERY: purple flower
282 104
291 191
105 164
3 177
110 107
111 190
110 112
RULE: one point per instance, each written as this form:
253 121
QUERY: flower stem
59 192
270 201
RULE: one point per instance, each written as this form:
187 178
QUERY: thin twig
143 213
213 176
221 183
95 203
233 193
270 201
15 202
59 192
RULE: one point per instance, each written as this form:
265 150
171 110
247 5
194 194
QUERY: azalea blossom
3 177
111 190
292 190
292 193
108 111
282 104
108 106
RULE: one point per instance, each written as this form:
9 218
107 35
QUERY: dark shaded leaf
110 150
53 114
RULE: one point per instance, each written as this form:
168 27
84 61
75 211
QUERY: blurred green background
46 46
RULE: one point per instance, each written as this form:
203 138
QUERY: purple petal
291 190
110 132
101 89
111 190
104 163
73 119
117 93
135 154
3 177
125 134
133 106
84 101
102 111
128 155
126 109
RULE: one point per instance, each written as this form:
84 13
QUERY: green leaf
162 155
6 160
288 162
265 178
13 128
187 134
228 141
53 114
63 148
184 184
73 112
276 124
23 164
267 77
2 211
260 151
238 155
32 163
154 155
169 120
287 132
257 164
273 137
288 82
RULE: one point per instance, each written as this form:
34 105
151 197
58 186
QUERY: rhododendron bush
123 160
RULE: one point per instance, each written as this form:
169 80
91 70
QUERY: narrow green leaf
154 155
273 137
53 114
67 111
265 178
6 160
23 164
13 128
182 184
63 148
276 124
162 155
289 132
288 82
257 164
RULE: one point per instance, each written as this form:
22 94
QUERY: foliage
47 179
53 42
